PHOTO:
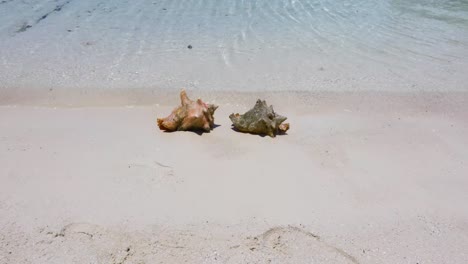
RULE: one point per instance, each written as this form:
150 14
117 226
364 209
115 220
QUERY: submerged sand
98 46
360 178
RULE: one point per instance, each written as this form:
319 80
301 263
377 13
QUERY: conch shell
191 115
261 119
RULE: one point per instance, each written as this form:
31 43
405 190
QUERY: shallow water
264 45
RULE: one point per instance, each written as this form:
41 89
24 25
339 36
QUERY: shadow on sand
198 131
260 135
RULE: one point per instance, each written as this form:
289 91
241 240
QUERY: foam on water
249 45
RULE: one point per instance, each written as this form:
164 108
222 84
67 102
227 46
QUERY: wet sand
360 178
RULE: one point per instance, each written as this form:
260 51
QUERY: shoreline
145 97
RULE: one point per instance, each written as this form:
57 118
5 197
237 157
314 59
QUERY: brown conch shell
261 119
191 115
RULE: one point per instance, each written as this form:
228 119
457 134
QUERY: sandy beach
374 168
360 178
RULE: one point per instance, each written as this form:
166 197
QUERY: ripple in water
237 45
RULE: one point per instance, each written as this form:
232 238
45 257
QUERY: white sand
360 178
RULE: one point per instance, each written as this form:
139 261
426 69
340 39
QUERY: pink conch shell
191 115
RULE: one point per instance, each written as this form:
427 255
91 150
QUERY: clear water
337 45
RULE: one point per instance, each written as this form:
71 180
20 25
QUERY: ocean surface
262 45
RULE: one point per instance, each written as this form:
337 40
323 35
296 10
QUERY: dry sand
360 178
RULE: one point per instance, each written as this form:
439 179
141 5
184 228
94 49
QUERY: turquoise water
340 45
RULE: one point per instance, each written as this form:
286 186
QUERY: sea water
244 45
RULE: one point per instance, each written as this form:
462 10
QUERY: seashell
191 115
261 119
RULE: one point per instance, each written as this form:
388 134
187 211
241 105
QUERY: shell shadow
196 131
260 135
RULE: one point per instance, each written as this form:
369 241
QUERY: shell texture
191 115
261 119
